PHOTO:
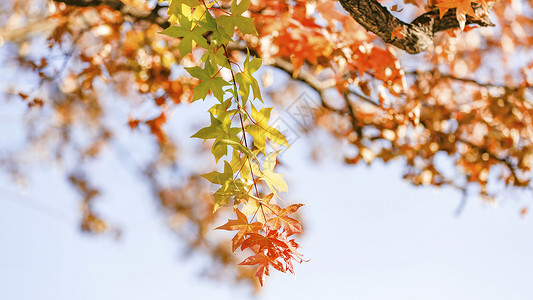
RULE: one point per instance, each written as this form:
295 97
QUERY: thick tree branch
418 35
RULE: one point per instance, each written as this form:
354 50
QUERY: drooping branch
417 35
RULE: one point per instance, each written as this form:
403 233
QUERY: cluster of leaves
268 237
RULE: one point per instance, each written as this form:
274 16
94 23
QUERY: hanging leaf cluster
239 132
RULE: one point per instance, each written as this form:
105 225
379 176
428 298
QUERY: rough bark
418 35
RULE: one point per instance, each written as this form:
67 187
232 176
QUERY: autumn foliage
459 114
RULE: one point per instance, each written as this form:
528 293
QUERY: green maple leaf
260 131
210 81
219 36
220 131
223 195
220 178
229 186
190 34
246 79
216 55
245 24
235 145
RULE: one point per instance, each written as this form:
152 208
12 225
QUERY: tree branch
418 35
438 74
355 126
127 10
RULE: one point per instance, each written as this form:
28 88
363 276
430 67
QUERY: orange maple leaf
281 219
269 248
242 225
464 7
398 33
264 262
272 242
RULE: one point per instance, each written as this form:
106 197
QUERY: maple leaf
464 7
216 55
229 187
219 35
222 108
223 195
246 79
245 24
260 131
242 225
282 219
177 7
209 82
223 134
190 34
241 164
232 188
251 207
275 181
264 262
274 243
